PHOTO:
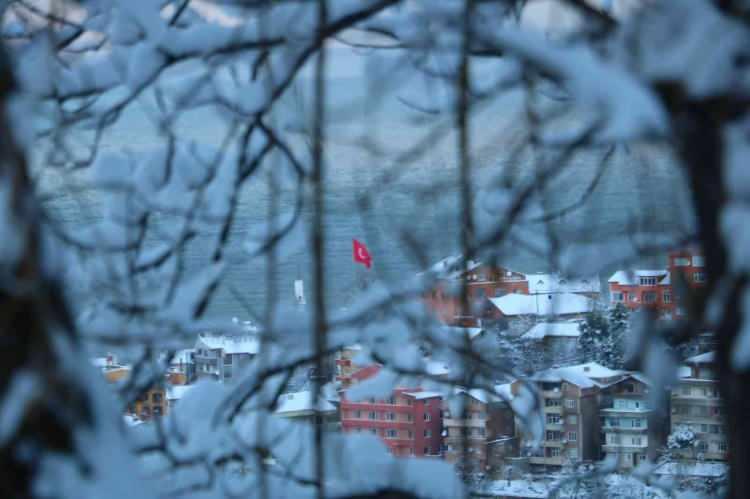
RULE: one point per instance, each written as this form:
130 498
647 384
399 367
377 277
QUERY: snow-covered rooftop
558 374
301 402
595 370
544 329
423 395
543 305
704 358
632 277
230 344
555 283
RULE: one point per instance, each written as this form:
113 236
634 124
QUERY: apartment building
409 421
632 431
485 418
697 406
221 357
569 401
649 289
660 290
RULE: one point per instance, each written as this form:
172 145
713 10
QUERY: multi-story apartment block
485 418
659 290
346 367
697 406
569 401
632 431
409 421
220 357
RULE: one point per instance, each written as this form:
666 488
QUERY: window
699 261
618 297
391 400
613 438
228 360
570 403
667 297
373 415
391 416
427 416
426 450
357 414
699 277
409 418
481 293
573 436
637 423
156 397
635 440
554 452
704 428
409 434
157 410
553 419
499 292
681 262
553 435
614 422
649 297
573 453
552 402
391 433
648 281
428 433
723 446
629 388
702 446
685 390
632 297
572 419
714 429
227 372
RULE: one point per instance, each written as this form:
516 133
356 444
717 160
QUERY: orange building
658 290
482 281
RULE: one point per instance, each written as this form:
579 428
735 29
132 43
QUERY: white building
220 357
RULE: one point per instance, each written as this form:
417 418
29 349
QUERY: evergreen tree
602 337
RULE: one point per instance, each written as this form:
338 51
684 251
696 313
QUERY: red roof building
410 421
656 289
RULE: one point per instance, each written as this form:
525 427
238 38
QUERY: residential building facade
409 421
661 290
221 357
569 403
485 418
697 406
632 431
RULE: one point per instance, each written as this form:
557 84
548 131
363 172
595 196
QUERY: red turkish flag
361 255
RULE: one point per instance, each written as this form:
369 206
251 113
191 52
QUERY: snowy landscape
375 249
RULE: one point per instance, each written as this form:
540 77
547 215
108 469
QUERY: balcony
553 409
552 394
549 461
